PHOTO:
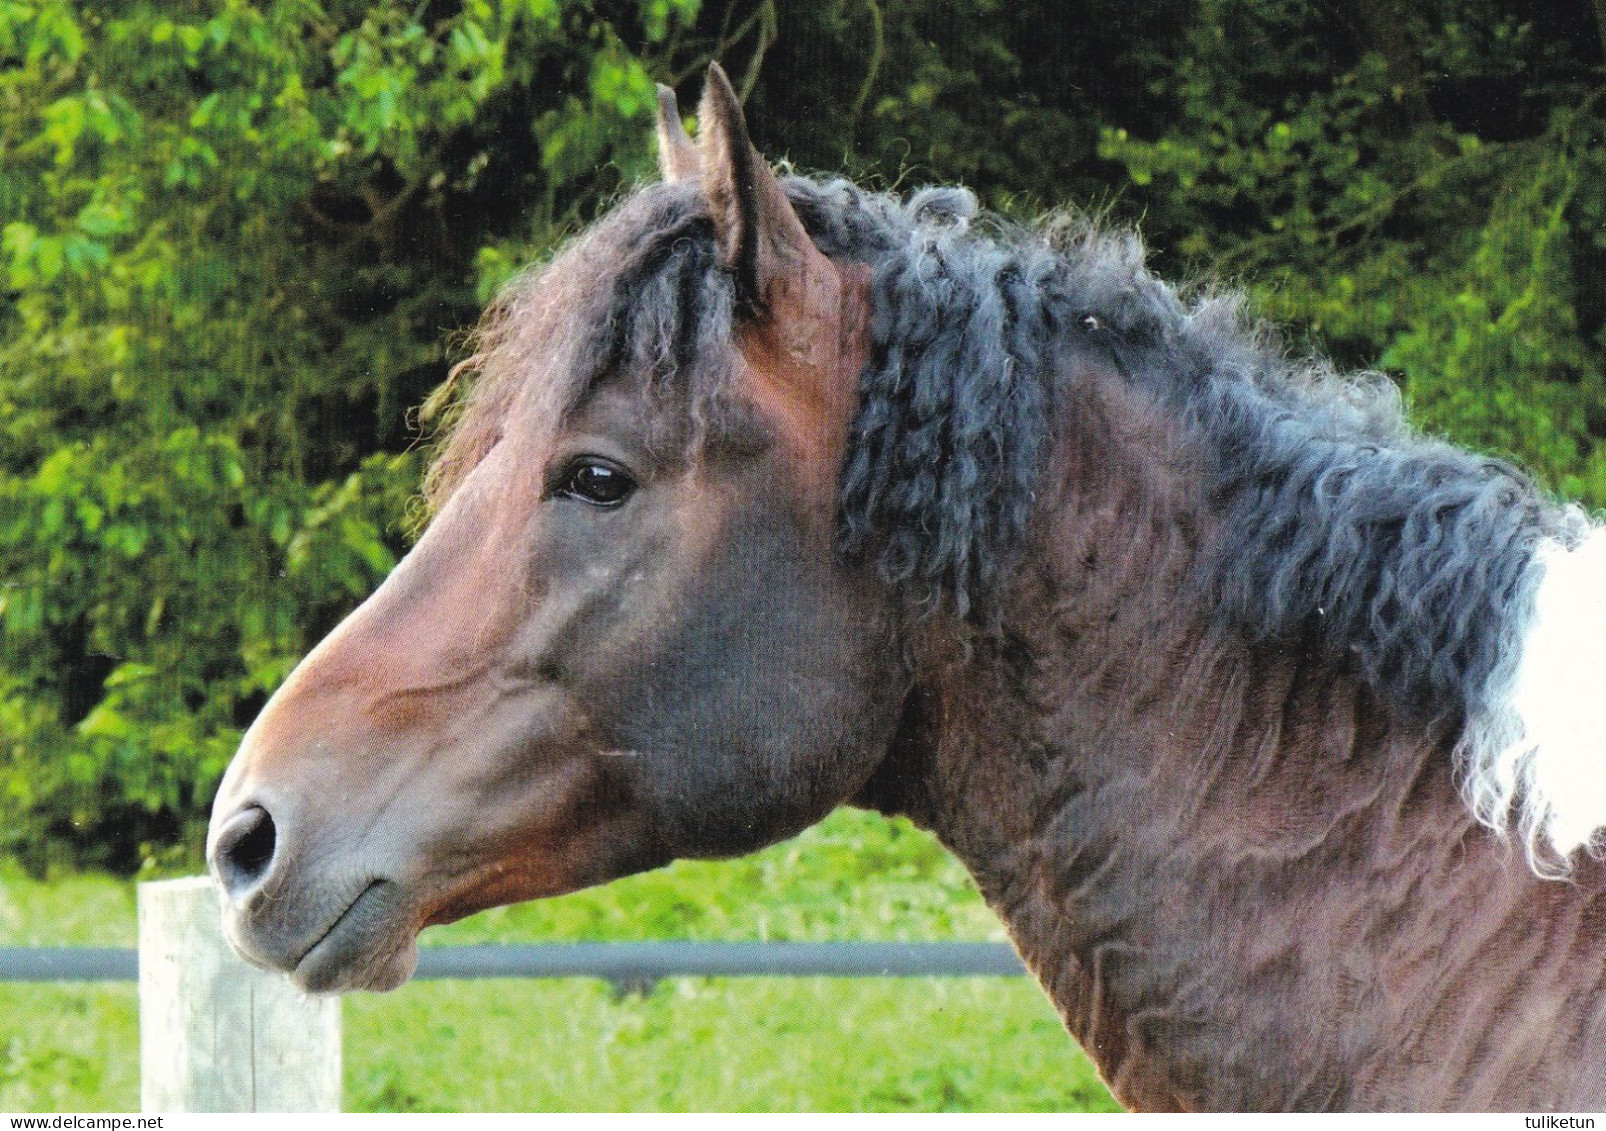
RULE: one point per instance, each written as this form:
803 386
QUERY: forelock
640 293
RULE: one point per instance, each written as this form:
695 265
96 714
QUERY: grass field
751 1044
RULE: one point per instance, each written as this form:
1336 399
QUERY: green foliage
1497 361
237 236
1438 229
233 238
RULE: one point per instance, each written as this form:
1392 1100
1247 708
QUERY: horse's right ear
761 239
677 156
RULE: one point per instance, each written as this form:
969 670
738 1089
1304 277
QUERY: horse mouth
364 948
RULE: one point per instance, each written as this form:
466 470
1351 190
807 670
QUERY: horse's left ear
760 237
677 156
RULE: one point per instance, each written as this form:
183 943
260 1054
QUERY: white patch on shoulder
1541 756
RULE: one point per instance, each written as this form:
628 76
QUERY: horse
1262 720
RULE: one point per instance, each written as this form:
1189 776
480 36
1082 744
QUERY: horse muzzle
325 920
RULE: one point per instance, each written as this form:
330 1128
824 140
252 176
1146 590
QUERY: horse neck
1244 881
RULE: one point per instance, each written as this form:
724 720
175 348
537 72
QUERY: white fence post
216 1035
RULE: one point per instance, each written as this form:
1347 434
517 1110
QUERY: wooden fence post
216 1035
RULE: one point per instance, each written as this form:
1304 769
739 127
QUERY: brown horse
770 496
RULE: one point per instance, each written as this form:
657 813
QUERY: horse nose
242 854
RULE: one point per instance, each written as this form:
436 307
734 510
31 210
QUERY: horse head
625 636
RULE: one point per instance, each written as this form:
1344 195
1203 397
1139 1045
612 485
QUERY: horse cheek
767 704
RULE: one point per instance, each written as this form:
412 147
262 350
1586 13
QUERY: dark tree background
237 240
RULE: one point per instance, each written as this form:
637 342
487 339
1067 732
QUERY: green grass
747 1044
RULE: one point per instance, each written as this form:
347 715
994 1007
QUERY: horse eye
596 482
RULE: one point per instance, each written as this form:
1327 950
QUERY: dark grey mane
1411 554
1416 556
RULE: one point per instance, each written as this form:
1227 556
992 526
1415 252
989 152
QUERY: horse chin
370 945
378 971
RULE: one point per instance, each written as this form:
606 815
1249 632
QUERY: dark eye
595 481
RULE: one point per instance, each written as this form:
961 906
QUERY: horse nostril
244 851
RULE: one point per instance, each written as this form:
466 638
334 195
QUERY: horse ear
760 237
677 156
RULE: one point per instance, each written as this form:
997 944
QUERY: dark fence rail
68 964
628 965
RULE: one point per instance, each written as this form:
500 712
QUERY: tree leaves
234 237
